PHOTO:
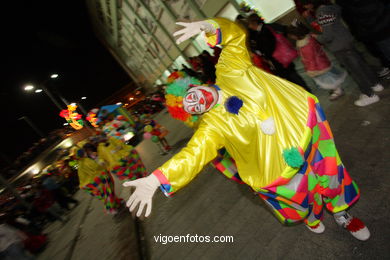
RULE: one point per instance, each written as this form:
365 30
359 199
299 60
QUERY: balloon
155 139
147 135
148 128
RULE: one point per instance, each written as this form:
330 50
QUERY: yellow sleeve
233 38
186 164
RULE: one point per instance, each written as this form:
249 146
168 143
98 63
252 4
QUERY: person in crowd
45 203
11 244
258 59
190 71
336 37
96 180
276 132
50 183
316 63
207 67
273 47
216 53
34 240
369 22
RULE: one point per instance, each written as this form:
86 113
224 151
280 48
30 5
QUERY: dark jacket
367 20
335 35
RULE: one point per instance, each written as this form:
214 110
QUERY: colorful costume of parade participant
276 132
121 159
97 181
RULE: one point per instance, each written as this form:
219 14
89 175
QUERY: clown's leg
313 221
130 168
102 188
347 194
331 180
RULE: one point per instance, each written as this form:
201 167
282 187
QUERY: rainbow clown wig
178 85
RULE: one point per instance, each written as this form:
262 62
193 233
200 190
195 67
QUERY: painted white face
199 100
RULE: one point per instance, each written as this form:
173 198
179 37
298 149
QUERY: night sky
41 38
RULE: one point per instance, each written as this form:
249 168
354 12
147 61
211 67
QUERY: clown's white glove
191 29
143 194
268 126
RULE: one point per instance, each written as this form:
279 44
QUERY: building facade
138 33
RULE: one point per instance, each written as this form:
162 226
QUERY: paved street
212 205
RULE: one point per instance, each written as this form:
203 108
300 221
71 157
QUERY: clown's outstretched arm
219 31
178 171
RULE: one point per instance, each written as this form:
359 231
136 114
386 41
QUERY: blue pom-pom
233 104
293 157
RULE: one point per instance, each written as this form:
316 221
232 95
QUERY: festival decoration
119 128
147 135
91 117
73 118
155 139
148 128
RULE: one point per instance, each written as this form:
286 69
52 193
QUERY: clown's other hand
268 126
143 194
191 29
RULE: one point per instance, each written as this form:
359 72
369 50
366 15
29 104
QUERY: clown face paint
200 99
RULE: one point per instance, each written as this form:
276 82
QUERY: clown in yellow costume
121 159
276 132
97 181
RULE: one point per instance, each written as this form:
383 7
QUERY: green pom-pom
180 86
292 157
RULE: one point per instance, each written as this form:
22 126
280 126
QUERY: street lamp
43 88
29 87
83 98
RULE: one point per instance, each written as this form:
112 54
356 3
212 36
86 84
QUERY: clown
276 132
178 84
120 159
96 180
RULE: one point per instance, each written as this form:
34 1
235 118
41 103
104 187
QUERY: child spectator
272 46
316 62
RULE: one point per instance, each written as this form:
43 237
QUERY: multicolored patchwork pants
130 168
226 165
321 181
102 188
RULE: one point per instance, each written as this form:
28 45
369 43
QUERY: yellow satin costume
114 152
88 170
258 156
